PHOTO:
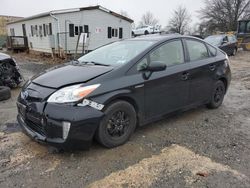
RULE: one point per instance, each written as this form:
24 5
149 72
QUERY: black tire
217 95
4 93
117 125
146 33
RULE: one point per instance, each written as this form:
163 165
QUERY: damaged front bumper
62 126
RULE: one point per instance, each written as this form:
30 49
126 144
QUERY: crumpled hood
67 74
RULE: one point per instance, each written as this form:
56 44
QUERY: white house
58 32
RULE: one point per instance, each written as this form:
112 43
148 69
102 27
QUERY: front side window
197 50
142 65
169 54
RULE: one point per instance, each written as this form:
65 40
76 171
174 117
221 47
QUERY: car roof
160 37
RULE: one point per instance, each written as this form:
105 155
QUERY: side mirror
156 66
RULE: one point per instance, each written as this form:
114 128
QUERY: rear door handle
184 76
212 67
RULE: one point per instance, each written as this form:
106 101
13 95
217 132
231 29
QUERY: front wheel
217 95
117 125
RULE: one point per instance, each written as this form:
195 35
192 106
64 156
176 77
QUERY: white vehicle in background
145 30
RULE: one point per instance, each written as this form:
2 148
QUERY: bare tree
179 22
148 19
222 15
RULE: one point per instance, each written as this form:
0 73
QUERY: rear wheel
217 95
146 33
117 125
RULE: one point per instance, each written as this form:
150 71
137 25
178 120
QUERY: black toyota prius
110 91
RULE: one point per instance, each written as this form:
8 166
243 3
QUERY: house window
80 29
86 30
12 32
120 33
50 29
71 30
109 32
40 30
36 31
114 32
76 30
32 30
44 30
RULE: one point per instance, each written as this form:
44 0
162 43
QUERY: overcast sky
162 9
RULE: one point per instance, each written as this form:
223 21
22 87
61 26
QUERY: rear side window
197 50
212 50
170 53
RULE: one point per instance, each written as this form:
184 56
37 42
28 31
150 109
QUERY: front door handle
185 76
212 67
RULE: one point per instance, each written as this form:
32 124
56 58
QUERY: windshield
117 53
214 40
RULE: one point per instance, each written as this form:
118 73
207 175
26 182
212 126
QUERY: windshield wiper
95 63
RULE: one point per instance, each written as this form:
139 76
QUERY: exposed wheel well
224 80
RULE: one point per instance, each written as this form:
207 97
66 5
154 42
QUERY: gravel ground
198 148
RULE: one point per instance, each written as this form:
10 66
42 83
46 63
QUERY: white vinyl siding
96 21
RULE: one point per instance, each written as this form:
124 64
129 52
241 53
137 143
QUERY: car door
138 31
225 46
167 90
202 68
233 43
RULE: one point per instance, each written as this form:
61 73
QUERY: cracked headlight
72 93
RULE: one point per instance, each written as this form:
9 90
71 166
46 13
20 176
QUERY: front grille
35 127
33 121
